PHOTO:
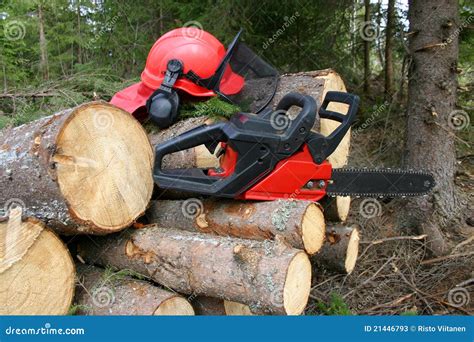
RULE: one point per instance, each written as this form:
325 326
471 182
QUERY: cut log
336 209
102 292
270 277
236 309
300 223
341 249
209 306
17 237
37 276
313 83
83 170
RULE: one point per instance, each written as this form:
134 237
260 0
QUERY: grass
111 275
336 306
75 308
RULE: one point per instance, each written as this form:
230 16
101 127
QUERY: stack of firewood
88 171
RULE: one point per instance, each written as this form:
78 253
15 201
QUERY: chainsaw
263 159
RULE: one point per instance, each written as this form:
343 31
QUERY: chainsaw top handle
260 142
322 147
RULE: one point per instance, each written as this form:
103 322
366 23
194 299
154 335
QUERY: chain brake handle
321 146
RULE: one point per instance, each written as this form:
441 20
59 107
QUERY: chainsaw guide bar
379 183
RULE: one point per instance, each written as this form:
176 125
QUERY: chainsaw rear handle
203 134
251 136
322 147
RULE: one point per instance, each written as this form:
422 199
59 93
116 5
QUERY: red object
288 180
199 51
227 162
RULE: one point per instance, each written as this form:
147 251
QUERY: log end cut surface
104 166
297 284
313 229
343 205
42 282
175 306
352 251
236 309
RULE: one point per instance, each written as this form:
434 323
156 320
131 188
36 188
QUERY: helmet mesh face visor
260 80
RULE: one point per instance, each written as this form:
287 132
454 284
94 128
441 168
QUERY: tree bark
103 293
300 223
378 40
39 280
366 49
270 277
44 67
84 170
390 30
431 99
79 44
341 249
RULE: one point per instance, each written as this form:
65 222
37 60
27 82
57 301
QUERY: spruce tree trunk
44 67
431 98
389 48
366 49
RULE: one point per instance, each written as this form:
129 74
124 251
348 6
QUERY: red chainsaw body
297 177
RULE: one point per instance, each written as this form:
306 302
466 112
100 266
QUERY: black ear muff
163 108
163 104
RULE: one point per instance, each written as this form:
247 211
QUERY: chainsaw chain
382 171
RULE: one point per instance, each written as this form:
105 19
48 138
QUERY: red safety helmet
194 62
199 52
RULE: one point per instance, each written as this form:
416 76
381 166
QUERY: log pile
88 170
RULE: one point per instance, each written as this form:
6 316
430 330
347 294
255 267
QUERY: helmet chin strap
163 104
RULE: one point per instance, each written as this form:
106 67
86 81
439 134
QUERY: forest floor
395 273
